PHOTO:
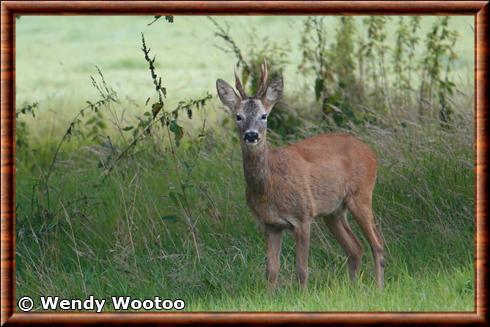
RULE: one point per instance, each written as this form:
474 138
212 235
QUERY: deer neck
256 167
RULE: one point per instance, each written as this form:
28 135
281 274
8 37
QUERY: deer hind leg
360 207
342 232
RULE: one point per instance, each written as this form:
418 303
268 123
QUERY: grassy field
55 58
173 222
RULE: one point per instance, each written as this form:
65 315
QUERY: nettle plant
359 76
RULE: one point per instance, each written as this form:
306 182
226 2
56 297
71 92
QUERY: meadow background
131 185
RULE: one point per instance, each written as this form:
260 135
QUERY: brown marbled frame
479 9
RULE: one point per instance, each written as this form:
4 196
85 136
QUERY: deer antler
239 86
263 80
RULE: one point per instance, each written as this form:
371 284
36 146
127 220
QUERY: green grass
426 293
129 234
115 237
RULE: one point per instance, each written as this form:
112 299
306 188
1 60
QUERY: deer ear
227 95
273 93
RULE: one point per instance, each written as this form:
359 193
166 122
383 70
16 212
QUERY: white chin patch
255 142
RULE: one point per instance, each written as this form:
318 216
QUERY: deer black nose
251 136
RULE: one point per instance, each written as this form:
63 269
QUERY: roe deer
321 176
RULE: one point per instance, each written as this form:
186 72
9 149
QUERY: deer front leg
302 238
274 240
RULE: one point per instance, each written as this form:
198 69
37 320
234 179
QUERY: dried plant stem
186 206
74 240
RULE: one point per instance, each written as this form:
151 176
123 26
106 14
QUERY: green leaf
177 131
181 198
319 85
245 75
170 218
91 121
225 121
155 108
127 128
174 199
101 124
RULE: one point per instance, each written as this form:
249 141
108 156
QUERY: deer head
251 111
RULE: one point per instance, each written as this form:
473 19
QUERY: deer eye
238 117
264 117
